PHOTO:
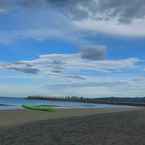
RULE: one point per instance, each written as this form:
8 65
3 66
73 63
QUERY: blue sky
86 48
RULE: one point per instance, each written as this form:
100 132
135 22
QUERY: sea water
7 103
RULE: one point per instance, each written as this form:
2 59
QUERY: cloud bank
54 19
80 75
72 64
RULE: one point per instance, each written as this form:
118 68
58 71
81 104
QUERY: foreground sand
116 128
19 117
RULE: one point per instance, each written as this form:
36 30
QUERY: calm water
7 103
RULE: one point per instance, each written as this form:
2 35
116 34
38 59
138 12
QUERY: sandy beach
73 127
18 117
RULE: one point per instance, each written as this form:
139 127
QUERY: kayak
39 107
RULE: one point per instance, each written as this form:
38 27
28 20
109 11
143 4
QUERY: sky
89 48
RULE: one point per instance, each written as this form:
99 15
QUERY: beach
73 127
22 116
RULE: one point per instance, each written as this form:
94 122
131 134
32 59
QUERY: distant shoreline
109 100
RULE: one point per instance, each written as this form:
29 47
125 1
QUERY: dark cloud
77 77
125 11
57 66
56 19
21 67
93 52
26 70
57 71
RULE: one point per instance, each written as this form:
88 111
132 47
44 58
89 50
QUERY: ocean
9 103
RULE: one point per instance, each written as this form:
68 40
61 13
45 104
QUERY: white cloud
59 71
70 64
133 29
103 87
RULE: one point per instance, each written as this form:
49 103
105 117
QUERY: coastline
121 127
17 117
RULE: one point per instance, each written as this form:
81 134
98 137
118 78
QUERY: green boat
47 108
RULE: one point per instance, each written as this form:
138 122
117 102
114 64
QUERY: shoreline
18 117
126 127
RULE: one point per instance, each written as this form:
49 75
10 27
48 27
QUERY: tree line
134 101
